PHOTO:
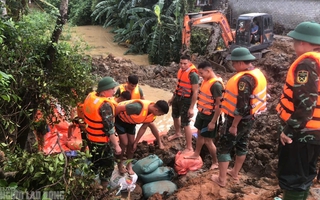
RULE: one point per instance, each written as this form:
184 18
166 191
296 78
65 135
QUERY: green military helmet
241 54
106 83
307 32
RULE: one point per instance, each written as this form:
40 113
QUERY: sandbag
57 134
74 141
158 187
147 164
161 173
126 181
182 165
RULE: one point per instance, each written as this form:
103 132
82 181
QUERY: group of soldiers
109 114
241 100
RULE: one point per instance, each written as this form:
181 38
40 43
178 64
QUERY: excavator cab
254 31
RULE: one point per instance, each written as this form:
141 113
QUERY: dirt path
101 43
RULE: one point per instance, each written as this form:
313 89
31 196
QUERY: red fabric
182 165
67 144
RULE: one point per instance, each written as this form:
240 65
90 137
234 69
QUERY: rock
183 180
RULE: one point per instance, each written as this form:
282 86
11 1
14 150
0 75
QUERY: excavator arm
208 16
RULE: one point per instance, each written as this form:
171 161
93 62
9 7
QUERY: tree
61 21
152 27
23 47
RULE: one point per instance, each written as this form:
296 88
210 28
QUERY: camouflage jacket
304 99
106 114
246 85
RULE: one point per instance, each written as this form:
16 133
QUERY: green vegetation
136 23
32 78
199 40
27 84
79 12
152 27
38 172
27 80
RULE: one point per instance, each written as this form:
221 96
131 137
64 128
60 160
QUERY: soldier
299 111
209 98
184 99
124 96
99 113
130 113
137 93
244 98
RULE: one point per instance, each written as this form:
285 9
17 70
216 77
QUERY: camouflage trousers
102 159
180 107
227 141
297 165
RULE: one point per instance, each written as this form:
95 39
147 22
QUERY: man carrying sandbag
130 113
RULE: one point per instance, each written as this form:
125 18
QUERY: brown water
101 43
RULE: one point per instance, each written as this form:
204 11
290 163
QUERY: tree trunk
3 7
30 99
61 20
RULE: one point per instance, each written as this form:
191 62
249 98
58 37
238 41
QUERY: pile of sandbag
155 177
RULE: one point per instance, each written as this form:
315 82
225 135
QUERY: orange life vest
93 119
258 97
286 107
206 103
135 94
143 117
184 85
113 101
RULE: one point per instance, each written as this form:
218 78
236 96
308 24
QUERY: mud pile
153 75
258 176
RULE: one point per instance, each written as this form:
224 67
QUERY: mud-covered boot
293 195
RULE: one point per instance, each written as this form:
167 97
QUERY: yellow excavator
253 30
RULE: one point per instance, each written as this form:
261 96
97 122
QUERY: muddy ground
258 176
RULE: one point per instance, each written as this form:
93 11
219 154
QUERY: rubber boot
293 195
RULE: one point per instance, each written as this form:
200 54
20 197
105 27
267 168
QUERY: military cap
307 32
241 54
106 83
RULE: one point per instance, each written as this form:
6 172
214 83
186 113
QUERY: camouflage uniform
304 150
181 105
227 140
102 153
202 120
124 127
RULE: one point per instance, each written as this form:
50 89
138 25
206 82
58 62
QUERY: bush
152 27
22 54
79 12
37 172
